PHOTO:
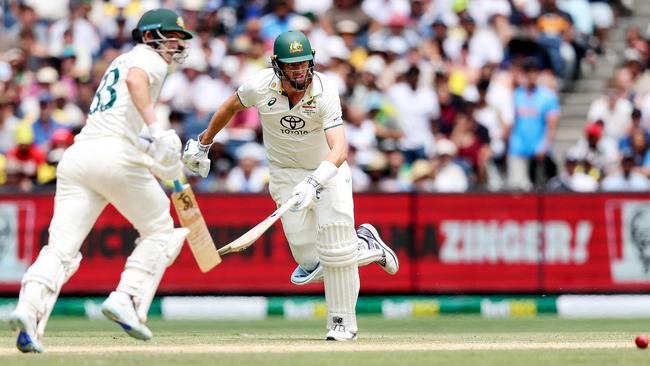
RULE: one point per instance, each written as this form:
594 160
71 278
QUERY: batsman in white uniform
105 165
305 142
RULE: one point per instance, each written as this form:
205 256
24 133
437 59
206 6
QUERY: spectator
448 176
360 180
345 10
24 160
553 24
489 117
410 67
473 143
278 20
65 112
627 180
602 153
249 175
416 107
572 179
28 19
641 150
537 112
360 133
76 32
8 124
613 110
45 124
422 176
397 177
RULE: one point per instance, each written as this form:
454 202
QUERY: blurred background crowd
437 95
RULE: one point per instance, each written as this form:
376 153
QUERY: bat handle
224 250
178 186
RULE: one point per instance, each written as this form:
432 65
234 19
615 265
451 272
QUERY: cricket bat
190 217
253 234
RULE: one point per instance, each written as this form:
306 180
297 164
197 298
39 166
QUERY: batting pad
145 267
43 280
337 249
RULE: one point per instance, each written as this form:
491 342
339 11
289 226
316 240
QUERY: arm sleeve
552 105
331 111
247 92
155 69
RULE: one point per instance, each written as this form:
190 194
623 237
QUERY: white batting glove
307 192
195 157
166 153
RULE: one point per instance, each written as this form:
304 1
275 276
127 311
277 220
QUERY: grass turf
453 340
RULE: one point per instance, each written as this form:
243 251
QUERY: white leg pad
337 249
145 267
42 283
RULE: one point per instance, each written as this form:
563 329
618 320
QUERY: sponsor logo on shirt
271 101
293 125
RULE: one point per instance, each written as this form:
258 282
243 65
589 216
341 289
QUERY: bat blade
248 238
199 238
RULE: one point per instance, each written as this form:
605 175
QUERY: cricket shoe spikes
24 321
387 259
119 308
339 332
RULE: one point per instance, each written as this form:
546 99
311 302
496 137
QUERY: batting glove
307 192
195 157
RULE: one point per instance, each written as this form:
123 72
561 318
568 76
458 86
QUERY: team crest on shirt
295 47
309 108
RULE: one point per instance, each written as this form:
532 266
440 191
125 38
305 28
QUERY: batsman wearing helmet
305 143
105 165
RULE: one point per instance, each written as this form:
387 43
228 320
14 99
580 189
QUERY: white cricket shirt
112 112
293 138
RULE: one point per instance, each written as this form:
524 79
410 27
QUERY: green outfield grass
448 340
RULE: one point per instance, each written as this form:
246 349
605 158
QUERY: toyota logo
292 122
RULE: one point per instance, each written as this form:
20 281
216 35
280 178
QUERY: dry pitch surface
457 340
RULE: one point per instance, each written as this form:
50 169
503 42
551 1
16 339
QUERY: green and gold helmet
162 20
159 22
292 47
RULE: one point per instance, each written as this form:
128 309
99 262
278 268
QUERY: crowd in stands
437 95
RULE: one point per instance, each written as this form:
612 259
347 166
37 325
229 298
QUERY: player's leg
146 206
371 248
300 228
338 247
76 208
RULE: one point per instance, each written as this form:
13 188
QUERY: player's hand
166 153
195 157
166 147
307 192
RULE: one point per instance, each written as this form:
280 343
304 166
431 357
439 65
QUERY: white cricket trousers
301 228
96 172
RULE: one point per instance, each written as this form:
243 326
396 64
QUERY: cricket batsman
305 143
105 165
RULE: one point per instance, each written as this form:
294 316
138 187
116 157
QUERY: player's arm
221 117
166 146
137 82
307 189
195 155
338 145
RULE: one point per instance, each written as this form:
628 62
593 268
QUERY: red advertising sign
446 243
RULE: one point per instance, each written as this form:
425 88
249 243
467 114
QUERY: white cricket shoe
119 308
388 260
339 332
24 321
